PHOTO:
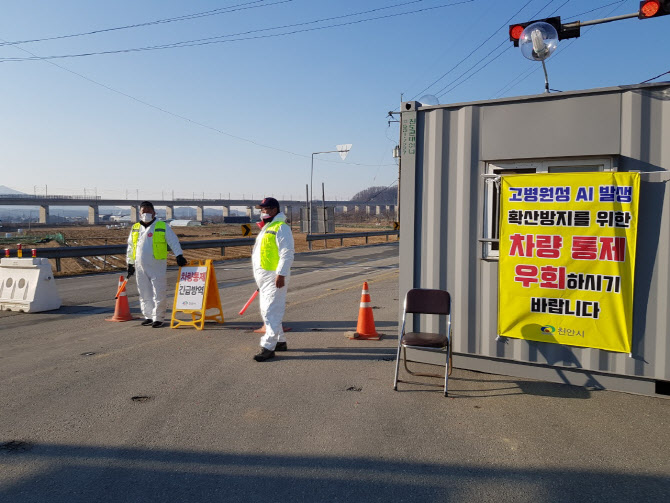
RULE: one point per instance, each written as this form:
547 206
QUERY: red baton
123 285
251 299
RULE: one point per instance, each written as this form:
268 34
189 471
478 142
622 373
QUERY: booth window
492 189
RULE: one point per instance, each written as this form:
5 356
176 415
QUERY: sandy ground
101 235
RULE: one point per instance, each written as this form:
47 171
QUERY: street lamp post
311 180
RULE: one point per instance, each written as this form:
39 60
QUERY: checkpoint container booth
452 160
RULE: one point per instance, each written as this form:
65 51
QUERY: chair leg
411 372
397 366
447 371
446 378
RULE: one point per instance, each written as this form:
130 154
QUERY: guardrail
105 250
343 235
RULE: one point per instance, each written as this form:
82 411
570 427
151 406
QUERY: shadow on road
388 327
71 473
498 387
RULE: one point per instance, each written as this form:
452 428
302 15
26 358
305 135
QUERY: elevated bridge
94 202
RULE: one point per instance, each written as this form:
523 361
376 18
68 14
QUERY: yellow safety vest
159 241
269 248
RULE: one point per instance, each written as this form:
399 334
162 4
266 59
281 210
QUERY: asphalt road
318 423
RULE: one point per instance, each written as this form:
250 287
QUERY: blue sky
299 93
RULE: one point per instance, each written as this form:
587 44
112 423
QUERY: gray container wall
442 209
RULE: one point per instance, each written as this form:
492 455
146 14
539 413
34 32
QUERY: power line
509 85
546 6
473 51
561 50
481 68
654 78
593 10
444 89
385 188
499 45
182 117
440 92
332 18
559 8
457 40
186 17
217 40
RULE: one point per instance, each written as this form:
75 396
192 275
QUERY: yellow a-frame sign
196 292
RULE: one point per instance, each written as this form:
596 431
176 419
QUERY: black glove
181 261
131 270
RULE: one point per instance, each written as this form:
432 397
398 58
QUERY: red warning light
515 31
649 8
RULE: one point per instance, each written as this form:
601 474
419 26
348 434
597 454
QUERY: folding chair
425 301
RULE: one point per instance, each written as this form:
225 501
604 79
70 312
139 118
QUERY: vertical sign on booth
567 258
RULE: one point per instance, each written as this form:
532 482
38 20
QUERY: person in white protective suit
271 260
147 257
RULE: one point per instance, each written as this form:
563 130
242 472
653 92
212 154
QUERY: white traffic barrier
28 285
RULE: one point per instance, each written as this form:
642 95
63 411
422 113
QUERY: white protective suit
151 273
273 299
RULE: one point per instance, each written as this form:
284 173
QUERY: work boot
157 324
264 354
281 346
147 322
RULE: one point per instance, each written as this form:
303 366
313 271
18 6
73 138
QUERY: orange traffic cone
365 329
122 309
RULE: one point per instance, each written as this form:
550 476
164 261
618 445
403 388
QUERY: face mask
146 217
265 217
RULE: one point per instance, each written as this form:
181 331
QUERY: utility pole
308 210
323 198
396 152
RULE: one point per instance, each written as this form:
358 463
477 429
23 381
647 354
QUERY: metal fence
105 250
342 235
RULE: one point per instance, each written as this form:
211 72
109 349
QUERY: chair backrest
427 301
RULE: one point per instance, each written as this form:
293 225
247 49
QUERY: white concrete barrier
28 285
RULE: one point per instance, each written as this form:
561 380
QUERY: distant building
185 223
242 219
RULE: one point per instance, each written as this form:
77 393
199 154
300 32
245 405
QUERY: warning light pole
648 9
